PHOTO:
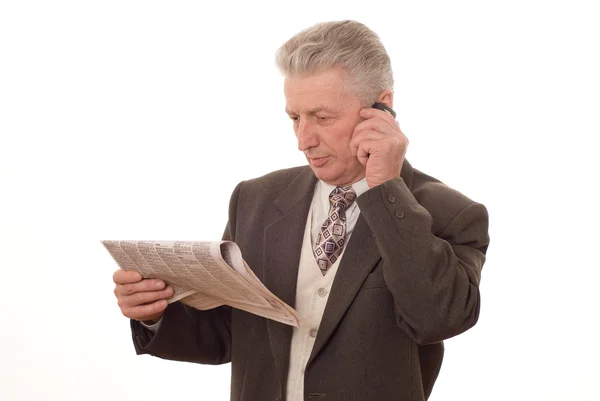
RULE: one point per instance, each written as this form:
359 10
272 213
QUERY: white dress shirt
313 288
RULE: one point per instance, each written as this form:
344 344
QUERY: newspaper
203 274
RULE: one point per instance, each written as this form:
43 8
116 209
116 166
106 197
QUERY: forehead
318 90
328 81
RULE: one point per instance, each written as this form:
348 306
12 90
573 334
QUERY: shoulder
271 185
278 177
441 201
428 189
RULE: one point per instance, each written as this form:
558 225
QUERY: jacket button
313 333
399 214
391 198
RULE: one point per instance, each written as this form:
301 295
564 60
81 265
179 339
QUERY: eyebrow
312 111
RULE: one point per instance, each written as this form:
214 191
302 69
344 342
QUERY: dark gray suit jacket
408 280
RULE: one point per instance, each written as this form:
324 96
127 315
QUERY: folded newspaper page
203 274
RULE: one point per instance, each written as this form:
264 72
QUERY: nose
306 135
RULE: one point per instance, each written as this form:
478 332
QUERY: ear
386 97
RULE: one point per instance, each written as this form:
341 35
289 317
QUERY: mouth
317 161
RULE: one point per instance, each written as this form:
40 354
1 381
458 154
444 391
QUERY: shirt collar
325 189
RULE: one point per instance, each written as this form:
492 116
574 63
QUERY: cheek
341 144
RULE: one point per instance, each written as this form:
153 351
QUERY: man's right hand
139 298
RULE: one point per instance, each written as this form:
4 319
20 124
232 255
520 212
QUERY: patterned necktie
332 237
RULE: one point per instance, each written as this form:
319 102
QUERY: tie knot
342 197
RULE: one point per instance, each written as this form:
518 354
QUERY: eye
295 118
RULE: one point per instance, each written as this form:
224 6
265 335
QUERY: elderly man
381 261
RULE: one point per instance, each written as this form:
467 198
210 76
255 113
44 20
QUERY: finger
371 113
141 286
393 138
142 312
363 151
365 148
378 124
126 277
141 298
366 135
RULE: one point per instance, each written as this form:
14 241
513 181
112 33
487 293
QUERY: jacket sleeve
433 276
187 334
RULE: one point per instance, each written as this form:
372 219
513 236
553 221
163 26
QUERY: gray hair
348 45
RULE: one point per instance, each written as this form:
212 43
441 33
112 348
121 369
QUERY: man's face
324 116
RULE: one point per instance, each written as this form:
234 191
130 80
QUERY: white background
135 120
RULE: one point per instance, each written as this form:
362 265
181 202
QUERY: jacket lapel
359 258
282 247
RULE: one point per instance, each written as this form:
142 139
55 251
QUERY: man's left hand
379 145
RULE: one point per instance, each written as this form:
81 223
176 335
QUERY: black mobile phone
383 107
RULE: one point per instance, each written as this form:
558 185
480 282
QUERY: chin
329 177
325 174
337 176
